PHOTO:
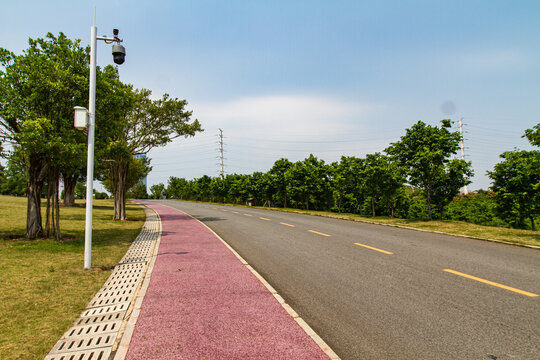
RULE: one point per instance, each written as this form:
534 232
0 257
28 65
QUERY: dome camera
119 54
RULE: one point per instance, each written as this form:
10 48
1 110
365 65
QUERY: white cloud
277 116
492 60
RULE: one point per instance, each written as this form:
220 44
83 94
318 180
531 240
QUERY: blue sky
332 78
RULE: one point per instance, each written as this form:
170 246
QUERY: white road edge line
307 329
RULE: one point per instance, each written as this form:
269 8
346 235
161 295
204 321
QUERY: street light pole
90 159
119 55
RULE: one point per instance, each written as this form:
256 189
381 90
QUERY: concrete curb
307 329
129 326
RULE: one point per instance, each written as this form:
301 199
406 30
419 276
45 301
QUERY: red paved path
203 303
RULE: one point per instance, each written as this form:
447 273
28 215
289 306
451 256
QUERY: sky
329 78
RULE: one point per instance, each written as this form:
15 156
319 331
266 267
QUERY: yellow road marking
374 248
248 215
491 283
264 219
224 210
286 224
235 212
319 233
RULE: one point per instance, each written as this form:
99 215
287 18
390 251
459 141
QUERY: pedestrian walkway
204 302
96 331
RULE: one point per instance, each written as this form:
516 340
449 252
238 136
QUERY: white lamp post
119 54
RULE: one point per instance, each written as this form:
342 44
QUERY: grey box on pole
81 118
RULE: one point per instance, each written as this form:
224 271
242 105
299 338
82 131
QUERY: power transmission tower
465 190
221 153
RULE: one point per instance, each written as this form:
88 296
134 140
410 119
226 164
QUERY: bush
477 208
101 195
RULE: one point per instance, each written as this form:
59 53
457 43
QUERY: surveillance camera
119 54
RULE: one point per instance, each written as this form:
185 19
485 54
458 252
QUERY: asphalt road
379 292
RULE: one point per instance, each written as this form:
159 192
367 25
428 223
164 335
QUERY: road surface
379 292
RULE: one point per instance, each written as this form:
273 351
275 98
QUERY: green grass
43 286
513 236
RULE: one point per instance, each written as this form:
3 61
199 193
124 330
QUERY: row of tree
422 158
416 178
38 91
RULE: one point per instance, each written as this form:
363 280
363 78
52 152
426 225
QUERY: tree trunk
120 173
48 210
339 205
57 205
429 202
532 223
307 202
52 221
373 206
36 173
69 188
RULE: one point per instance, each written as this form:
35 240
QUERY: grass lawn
43 286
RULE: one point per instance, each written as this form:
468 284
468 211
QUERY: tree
145 124
382 180
423 152
156 190
138 191
13 178
277 174
38 91
138 170
533 135
454 176
347 183
516 181
309 181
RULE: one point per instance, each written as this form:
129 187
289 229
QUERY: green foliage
309 182
38 90
533 135
156 190
453 176
80 190
348 184
423 151
279 182
100 195
477 208
13 179
516 181
138 191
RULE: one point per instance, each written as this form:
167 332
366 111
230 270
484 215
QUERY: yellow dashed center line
374 248
224 210
318 233
264 219
235 212
248 215
286 224
491 283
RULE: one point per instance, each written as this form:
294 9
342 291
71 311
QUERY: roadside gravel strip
97 332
